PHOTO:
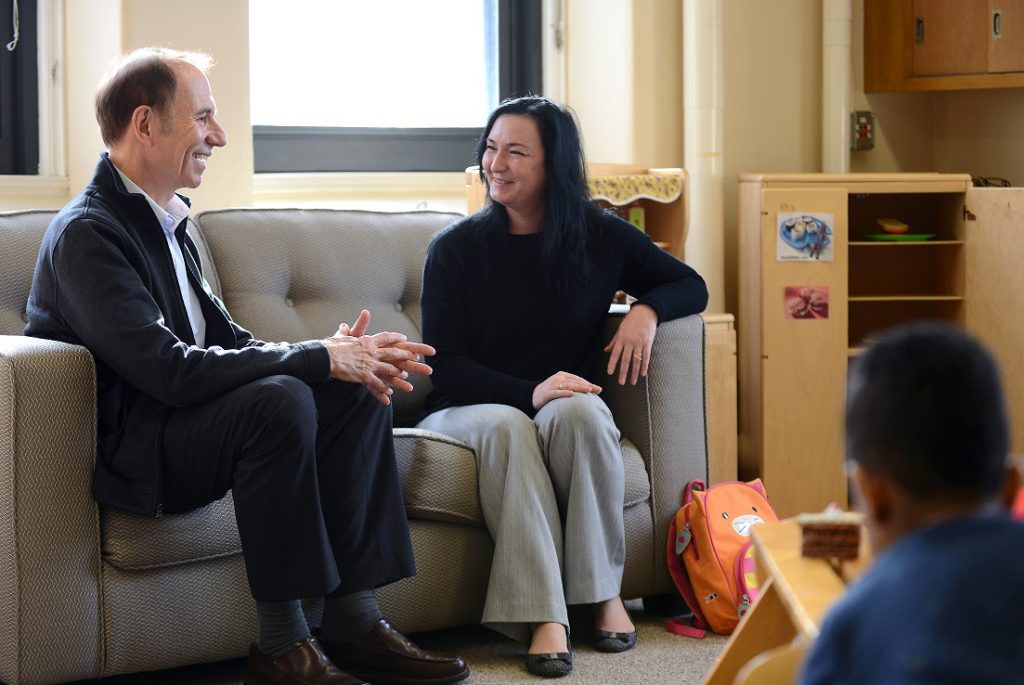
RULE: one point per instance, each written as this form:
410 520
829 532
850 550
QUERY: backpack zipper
741 583
692 545
690 498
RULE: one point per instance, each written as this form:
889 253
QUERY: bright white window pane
379 63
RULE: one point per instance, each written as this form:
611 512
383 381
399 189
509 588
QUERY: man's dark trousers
316 489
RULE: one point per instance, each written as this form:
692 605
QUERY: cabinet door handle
919 30
997 24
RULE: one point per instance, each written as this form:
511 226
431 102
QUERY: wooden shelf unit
792 372
896 282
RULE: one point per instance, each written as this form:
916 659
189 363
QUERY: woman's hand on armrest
630 348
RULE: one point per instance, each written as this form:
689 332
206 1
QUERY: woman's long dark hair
564 253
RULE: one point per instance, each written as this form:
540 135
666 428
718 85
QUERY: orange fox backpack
710 537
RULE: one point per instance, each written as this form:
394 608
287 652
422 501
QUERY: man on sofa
190 405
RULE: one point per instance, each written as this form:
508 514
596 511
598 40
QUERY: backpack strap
695 484
677 627
682 583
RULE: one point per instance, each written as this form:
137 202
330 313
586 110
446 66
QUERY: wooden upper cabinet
1006 47
950 37
920 45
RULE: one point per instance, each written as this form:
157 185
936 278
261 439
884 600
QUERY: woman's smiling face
513 163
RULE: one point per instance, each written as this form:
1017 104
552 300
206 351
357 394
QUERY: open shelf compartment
940 214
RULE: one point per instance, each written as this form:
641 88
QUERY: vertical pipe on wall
92 41
837 46
703 125
52 153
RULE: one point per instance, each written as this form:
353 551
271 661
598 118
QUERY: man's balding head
147 76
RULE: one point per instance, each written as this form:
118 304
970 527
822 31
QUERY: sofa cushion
438 475
295 274
132 542
439 478
439 482
638 483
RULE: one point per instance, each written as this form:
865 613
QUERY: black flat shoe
607 641
550 665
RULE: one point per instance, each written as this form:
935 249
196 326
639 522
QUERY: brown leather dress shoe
386 657
304 664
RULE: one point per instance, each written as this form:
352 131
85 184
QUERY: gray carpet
659 657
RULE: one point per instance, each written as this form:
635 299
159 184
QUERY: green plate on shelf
901 237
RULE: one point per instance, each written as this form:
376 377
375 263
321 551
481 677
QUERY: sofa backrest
21 233
296 274
285 274
20 236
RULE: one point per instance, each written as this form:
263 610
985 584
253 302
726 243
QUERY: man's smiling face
184 136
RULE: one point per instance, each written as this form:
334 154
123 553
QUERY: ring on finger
639 357
559 386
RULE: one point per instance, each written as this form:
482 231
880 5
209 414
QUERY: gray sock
347 618
281 625
314 612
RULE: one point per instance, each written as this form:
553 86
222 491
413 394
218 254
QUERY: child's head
926 428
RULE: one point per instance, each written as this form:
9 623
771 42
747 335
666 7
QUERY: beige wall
903 121
980 132
221 29
98 31
772 100
92 40
622 49
624 79
658 83
599 75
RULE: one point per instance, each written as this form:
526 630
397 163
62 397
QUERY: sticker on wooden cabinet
804 237
806 301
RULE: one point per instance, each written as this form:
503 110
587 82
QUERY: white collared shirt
168 222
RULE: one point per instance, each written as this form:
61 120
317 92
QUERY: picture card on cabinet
806 301
804 237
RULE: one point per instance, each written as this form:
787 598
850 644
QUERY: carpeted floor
659 657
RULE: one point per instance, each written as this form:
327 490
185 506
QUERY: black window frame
19 90
301 149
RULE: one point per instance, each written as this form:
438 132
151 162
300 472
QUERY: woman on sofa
515 299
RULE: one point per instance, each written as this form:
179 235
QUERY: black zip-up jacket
104 279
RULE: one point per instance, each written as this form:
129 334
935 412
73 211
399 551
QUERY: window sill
18 187
326 186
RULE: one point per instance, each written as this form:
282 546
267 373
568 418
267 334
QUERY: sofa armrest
49 522
664 415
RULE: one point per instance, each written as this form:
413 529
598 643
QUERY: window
19 94
394 85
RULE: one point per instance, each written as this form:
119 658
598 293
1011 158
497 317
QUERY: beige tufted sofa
86 592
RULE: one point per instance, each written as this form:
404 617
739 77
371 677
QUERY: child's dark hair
925 407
